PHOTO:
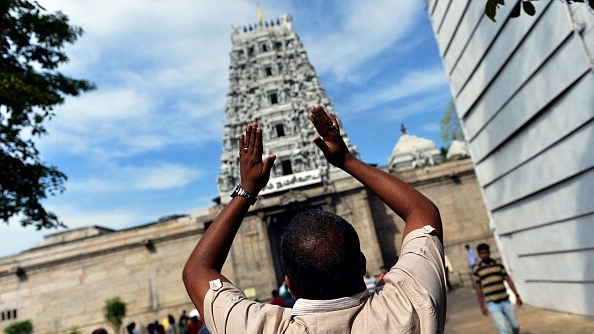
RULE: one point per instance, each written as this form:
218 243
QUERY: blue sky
147 142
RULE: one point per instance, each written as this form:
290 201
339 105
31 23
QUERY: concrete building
63 282
524 91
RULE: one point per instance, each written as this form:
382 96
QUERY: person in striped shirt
489 275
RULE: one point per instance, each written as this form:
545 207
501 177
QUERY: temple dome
458 150
413 152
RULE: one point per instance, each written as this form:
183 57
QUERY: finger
333 120
252 138
315 117
258 143
241 143
248 135
321 120
320 143
268 163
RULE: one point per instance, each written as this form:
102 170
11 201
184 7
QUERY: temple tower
273 83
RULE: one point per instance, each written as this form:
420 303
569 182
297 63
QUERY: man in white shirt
321 255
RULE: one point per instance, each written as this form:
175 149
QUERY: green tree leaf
491 10
450 127
528 8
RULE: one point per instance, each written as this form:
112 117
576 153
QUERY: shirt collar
489 262
304 306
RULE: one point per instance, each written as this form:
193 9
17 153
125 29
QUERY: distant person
170 329
182 322
194 322
150 329
471 256
204 330
277 299
322 257
283 291
286 294
370 281
383 272
131 328
489 276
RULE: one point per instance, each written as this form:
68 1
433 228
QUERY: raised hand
254 172
329 139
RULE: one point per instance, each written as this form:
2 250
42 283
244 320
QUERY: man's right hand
412 206
485 310
329 139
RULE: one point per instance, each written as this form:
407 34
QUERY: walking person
489 275
470 256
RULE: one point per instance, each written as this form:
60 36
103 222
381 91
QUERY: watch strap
239 191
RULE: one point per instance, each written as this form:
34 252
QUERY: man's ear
290 286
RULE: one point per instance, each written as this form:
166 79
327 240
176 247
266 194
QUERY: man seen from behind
322 257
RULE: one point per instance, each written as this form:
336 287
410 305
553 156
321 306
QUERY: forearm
213 248
412 206
480 295
207 258
511 285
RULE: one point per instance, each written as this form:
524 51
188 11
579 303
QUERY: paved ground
464 316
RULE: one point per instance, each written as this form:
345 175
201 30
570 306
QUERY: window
280 130
278 45
287 170
273 98
10 314
268 71
250 51
264 48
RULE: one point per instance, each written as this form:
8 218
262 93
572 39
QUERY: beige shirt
413 300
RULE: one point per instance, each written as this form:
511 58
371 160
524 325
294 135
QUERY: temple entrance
276 226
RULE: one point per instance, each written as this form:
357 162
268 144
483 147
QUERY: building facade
524 91
63 282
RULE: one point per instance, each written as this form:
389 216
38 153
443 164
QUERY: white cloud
369 29
420 84
157 176
19 238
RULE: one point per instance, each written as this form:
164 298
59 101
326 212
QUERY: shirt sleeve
420 274
422 258
228 310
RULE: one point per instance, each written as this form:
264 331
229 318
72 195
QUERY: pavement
464 316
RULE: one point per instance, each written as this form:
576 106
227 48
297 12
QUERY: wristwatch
239 191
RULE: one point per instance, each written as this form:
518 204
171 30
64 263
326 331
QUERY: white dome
458 150
411 152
